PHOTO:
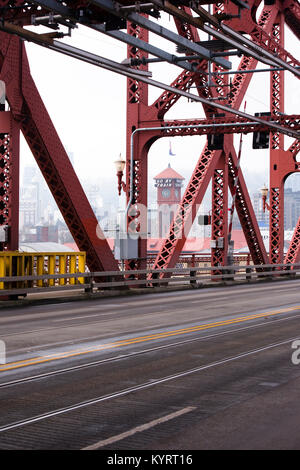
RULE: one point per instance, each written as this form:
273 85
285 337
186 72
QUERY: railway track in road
152 337
39 383
140 387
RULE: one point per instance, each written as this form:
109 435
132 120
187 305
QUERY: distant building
93 194
261 216
29 205
38 211
29 175
168 184
291 208
293 182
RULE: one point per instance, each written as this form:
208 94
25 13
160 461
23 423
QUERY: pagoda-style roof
169 173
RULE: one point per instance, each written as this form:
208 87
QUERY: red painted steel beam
167 99
246 213
291 11
9 179
196 188
138 114
293 254
241 81
186 212
219 214
137 111
41 136
294 148
226 125
276 222
283 163
20 11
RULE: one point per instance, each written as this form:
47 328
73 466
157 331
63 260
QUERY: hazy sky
88 107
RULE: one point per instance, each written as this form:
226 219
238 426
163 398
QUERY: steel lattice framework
232 27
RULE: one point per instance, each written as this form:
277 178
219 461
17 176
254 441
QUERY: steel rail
114 8
260 50
148 384
138 353
233 72
231 37
243 44
145 46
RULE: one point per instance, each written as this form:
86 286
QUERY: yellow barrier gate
15 263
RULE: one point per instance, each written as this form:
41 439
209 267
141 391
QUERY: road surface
197 369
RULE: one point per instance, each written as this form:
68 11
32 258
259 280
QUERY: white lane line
83 316
70 311
143 427
103 314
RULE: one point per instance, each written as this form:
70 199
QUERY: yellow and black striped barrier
16 264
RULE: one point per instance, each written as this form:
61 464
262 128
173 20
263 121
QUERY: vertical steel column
13 241
276 223
9 179
137 104
219 223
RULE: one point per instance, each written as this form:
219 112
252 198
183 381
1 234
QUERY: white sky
88 108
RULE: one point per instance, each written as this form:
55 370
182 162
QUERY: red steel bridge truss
204 65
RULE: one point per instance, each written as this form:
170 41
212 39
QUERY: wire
258 101
97 39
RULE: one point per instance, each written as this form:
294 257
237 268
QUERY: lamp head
120 164
264 191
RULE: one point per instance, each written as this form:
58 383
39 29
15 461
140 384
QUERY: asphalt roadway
197 369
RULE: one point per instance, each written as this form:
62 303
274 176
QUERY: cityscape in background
41 221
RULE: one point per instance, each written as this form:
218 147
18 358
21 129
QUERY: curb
134 291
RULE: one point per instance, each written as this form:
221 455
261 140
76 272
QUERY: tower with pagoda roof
168 184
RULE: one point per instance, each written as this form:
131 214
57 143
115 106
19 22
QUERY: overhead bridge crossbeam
261 47
120 69
225 125
114 8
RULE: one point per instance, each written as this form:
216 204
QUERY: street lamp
120 165
264 193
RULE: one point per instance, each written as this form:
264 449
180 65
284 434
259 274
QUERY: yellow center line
139 339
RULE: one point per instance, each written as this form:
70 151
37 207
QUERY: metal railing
149 278
202 260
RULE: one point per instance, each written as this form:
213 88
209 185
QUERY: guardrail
195 277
